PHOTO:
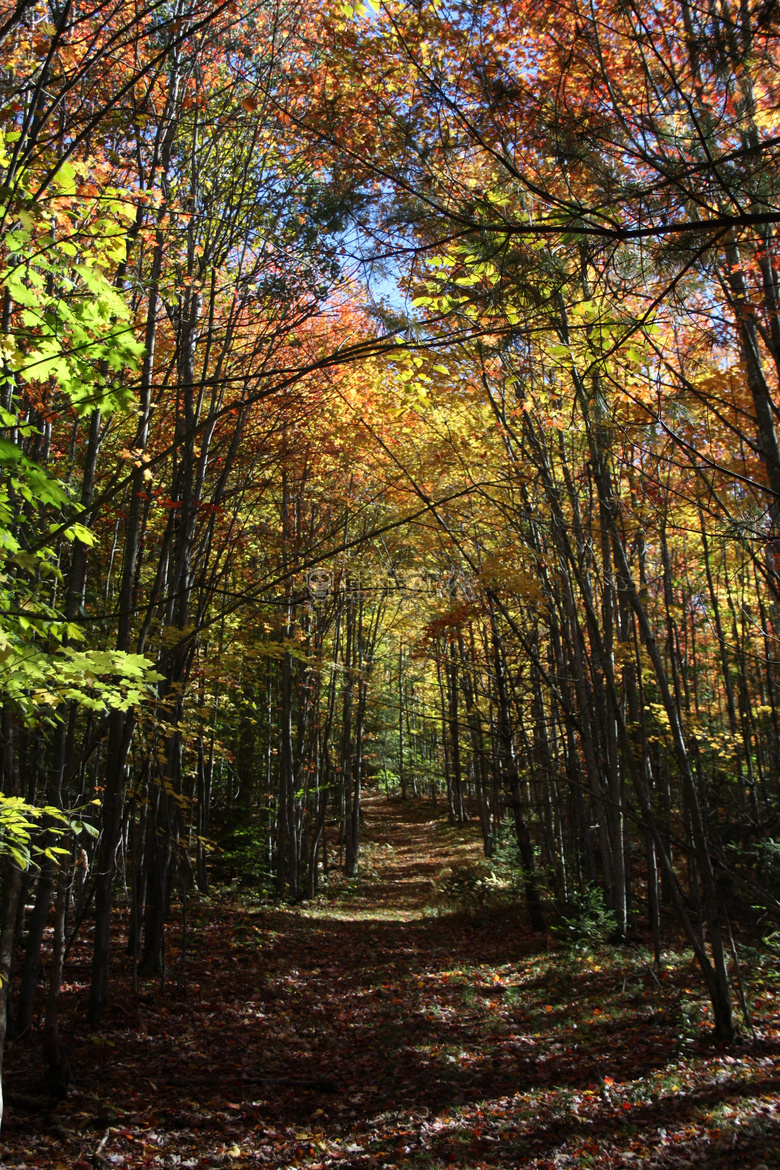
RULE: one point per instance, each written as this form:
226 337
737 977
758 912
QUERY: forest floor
373 1029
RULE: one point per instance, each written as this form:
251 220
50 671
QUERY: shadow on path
366 1031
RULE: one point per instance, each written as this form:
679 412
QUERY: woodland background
389 399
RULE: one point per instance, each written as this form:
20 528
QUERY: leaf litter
370 1029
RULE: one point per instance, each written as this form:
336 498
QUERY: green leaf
81 533
9 452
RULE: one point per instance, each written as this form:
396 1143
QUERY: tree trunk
12 883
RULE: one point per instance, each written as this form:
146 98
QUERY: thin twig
740 987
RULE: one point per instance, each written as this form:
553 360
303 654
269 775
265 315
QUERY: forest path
368 1030
405 847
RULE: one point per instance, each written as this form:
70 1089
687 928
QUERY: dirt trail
405 848
364 1031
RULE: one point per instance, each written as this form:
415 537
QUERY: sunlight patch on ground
360 1033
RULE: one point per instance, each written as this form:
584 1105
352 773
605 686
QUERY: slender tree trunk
57 1067
511 782
12 884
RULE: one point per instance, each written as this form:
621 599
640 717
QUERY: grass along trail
371 1029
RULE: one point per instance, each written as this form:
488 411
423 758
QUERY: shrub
586 921
463 885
